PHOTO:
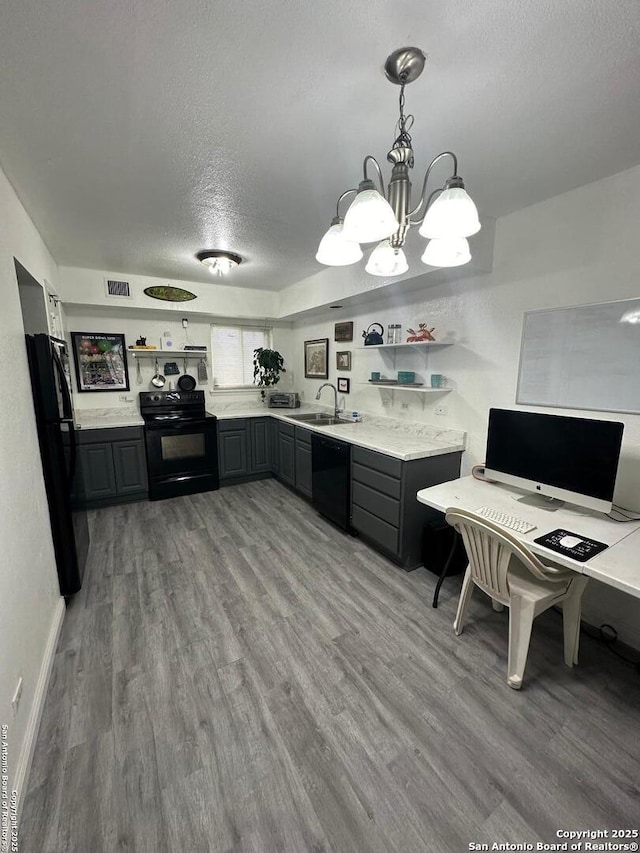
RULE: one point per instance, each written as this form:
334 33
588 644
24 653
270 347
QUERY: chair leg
463 603
521 616
571 610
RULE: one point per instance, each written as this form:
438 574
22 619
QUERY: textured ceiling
137 132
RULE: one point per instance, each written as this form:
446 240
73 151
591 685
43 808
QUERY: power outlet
441 410
125 398
15 702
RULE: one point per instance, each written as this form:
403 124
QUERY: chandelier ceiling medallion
447 216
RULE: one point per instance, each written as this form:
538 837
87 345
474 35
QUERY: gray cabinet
384 508
244 449
233 455
112 466
303 461
260 456
287 453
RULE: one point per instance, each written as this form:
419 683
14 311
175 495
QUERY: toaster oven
283 400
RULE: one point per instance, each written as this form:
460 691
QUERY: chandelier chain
405 122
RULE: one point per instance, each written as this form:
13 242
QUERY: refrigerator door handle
67 415
64 388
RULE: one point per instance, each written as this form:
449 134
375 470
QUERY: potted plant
268 364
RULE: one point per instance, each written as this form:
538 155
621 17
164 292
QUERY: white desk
617 566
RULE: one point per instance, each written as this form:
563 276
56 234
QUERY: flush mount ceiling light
447 215
219 262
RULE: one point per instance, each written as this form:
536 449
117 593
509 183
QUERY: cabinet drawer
375 529
232 424
378 461
386 508
375 480
287 429
109 434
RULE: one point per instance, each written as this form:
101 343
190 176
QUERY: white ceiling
137 132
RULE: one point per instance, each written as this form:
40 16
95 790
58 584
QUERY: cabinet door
130 467
97 471
287 458
232 452
259 445
303 467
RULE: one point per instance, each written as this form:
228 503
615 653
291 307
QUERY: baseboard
33 725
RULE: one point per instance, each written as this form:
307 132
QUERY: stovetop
162 406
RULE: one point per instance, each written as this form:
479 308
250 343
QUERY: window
232 351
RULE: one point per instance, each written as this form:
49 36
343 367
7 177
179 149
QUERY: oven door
182 457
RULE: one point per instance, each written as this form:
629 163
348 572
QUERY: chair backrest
490 548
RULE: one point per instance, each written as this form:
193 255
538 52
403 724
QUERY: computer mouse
570 541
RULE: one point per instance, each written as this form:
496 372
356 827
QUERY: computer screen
574 459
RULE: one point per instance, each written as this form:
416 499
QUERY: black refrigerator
50 382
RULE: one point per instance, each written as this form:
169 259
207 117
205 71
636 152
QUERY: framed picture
343 360
316 359
344 385
100 360
343 332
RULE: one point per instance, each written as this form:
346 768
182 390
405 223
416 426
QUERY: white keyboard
509 521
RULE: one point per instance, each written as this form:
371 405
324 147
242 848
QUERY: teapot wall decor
373 339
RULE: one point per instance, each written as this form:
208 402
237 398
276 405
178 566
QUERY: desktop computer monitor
573 459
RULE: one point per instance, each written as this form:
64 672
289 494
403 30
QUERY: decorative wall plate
169 294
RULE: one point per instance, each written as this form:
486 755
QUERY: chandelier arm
371 159
426 178
426 208
344 195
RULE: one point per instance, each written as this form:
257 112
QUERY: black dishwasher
331 479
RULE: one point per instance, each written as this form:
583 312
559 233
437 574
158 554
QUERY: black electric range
181 443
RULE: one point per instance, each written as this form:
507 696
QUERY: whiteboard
584 357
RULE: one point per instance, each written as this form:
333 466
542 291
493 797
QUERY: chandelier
447 216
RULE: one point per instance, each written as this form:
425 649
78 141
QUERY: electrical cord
608 636
628 514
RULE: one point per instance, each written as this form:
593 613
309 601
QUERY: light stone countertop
401 439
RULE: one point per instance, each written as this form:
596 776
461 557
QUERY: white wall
152 326
29 593
576 248
86 287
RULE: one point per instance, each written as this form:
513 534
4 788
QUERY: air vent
117 288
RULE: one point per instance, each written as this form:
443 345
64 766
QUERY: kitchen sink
317 418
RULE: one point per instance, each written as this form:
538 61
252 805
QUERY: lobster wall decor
423 334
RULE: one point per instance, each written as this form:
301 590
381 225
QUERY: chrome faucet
335 394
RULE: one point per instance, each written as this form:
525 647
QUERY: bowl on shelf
406 377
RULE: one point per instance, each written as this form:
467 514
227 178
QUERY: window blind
232 350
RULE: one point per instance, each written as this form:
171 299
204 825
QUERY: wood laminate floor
237 675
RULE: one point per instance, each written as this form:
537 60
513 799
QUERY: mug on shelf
375 375
438 380
406 377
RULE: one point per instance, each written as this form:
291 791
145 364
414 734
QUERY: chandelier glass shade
452 214
335 250
370 217
386 261
447 252
385 215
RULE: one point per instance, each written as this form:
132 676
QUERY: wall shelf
167 355
416 345
398 386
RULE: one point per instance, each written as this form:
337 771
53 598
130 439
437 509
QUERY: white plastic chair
512 576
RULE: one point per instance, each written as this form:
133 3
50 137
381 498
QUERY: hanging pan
186 382
158 380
